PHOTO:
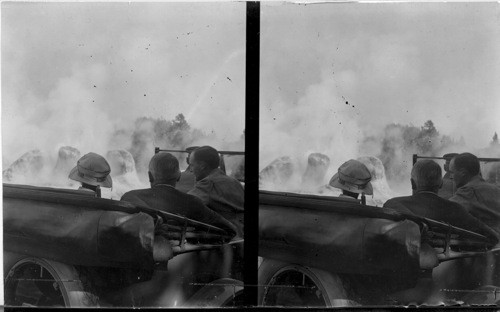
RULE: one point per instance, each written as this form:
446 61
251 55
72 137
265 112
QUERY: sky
330 74
74 73
334 73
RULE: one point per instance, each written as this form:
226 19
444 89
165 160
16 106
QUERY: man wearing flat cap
448 189
353 178
220 192
187 179
92 170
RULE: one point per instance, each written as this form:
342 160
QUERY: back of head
208 155
164 167
426 176
190 149
449 156
467 162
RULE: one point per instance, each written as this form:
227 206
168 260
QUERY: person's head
353 178
464 167
164 169
203 160
426 176
92 169
447 158
189 150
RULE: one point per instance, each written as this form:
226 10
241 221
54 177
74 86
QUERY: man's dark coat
430 205
167 198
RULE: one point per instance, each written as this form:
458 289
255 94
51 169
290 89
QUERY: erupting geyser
66 159
277 174
123 172
492 174
26 168
314 176
280 175
33 168
381 190
121 162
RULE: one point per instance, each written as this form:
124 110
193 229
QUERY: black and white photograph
379 157
123 147
250 154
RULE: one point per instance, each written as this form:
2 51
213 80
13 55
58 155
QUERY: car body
326 251
65 248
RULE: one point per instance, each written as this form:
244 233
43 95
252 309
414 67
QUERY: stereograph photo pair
246 154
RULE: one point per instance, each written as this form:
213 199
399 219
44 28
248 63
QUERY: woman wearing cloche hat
353 178
92 170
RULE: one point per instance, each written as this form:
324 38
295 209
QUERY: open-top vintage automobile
68 249
325 251
321 251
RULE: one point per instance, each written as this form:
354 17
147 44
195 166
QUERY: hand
162 250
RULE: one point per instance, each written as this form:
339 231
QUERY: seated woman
92 170
353 178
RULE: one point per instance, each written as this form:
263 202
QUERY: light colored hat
353 176
92 169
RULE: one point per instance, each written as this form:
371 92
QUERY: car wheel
45 283
291 285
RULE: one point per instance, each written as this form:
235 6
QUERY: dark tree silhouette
494 140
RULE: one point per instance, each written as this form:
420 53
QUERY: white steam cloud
83 75
336 76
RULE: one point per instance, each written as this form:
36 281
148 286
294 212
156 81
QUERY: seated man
163 175
188 268
480 198
448 188
425 182
353 178
186 182
221 193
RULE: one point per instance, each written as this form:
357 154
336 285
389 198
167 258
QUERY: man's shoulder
221 178
136 196
444 203
136 193
218 174
400 204
418 199
478 190
188 198
172 192
467 191
217 177
482 185
398 200
152 192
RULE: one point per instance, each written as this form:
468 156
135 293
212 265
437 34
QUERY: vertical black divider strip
251 151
